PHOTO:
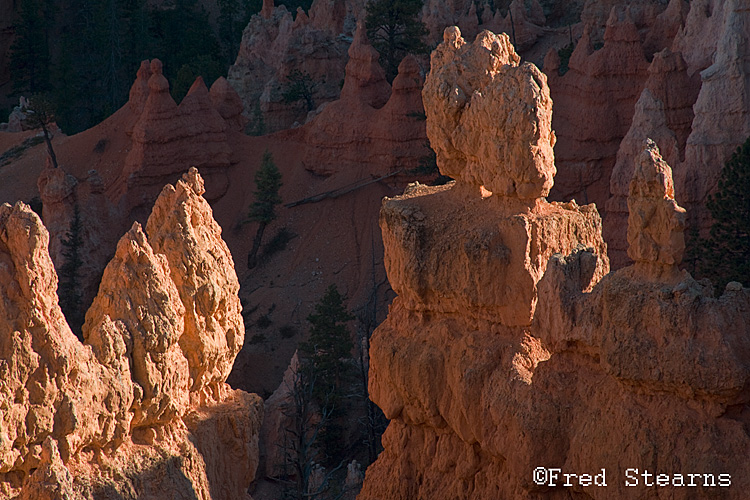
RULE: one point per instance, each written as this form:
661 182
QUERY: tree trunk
49 145
252 257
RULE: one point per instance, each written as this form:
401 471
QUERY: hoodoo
511 364
141 408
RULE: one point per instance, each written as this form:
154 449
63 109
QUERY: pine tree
394 29
727 250
328 352
69 290
330 344
40 113
263 210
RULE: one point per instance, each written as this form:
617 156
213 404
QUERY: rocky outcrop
140 410
228 104
663 113
165 137
436 15
510 153
365 79
57 192
16 117
656 224
160 138
278 420
521 20
64 198
644 14
510 353
722 116
522 24
649 122
275 43
666 26
462 260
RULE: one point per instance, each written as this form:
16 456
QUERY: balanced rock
465 260
478 129
509 348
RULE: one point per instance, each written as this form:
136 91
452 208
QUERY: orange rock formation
509 348
141 409
510 153
656 224
165 137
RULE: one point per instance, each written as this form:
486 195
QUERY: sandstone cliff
140 410
510 348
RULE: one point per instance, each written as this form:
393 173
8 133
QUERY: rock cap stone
489 118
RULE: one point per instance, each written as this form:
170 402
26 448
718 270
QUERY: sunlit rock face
510 347
489 119
140 409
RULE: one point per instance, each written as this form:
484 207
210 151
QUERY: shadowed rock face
166 136
275 43
509 347
365 78
139 410
372 126
694 106
594 104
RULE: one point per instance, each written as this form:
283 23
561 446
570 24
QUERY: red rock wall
593 108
